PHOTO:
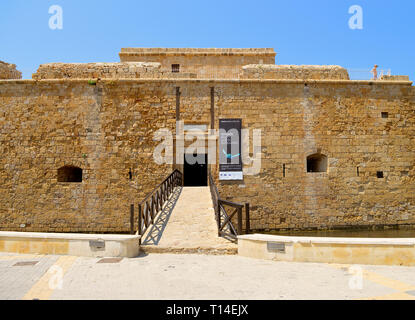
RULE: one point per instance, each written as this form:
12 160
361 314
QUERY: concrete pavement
185 276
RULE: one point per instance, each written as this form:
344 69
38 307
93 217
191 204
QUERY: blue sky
301 32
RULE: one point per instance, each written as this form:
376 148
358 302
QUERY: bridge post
218 216
132 219
139 222
247 222
240 220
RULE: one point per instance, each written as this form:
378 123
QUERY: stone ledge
328 240
187 250
70 244
381 251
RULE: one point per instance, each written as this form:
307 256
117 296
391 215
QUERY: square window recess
25 263
379 174
175 68
385 115
110 260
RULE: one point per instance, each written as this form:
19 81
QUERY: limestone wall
107 129
206 63
303 72
127 70
104 130
342 121
9 71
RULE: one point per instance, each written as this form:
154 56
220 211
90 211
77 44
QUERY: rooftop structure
204 62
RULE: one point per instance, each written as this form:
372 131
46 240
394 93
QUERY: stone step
190 250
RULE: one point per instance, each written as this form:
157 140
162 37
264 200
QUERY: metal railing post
152 210
218 216
132 219
239 220
139 222
247 223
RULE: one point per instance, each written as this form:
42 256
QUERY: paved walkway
187 225
194 276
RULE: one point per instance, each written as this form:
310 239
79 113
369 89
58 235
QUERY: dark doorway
195 174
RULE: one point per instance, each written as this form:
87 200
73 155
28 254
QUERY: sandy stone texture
9 71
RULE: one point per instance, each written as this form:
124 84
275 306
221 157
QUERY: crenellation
127 70
9 71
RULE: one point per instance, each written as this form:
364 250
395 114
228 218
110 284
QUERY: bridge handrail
223 218
153 202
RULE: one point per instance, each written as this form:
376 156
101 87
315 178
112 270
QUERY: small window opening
175 68
379 174
357 171
130 175
69 174
282 220
283 170
385 115
317 163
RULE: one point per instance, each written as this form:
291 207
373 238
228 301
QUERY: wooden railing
153 203
223 217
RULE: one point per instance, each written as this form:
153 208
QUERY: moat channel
390 233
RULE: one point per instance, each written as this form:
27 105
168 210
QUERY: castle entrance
195 170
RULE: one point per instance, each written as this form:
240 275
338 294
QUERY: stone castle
77 140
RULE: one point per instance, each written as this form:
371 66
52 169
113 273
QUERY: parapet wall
9 71
270 71
394 78
124 70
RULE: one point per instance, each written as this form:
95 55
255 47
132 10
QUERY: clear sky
300 31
